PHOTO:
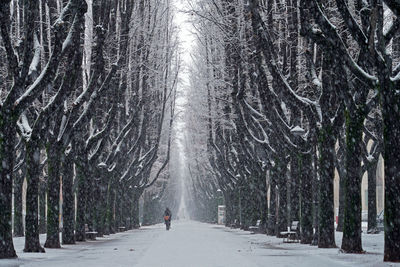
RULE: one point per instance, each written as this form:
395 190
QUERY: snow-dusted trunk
306 179
351 241
68 205
32 243
53 196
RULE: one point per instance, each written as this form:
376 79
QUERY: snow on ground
192 244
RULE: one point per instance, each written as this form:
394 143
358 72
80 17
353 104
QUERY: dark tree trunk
263 201
135 219
351 242
18 216
91 200
7 143
371 169
272 203
391 135
306 198
68 236
53 197
118 207
295 174
32 243
339 227
109 226
81 217
282 220
42 207
101 208
326 227
315 196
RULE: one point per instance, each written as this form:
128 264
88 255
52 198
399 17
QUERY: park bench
91 235
256 228
292 234
235 224
122 228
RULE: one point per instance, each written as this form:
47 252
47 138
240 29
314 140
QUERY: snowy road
192 244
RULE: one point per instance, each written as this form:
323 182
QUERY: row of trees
289 90
87 105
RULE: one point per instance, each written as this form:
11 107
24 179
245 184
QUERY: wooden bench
121 228
256 228
91 235
235 224
292 234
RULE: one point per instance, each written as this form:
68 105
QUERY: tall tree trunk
53 197
306 218
68 234
315 196
371 169
272 203
282 220
42 207
81 217
326 228
109 210
339 227
295 176
32 243
391 135
263 201
135 219
7 143
18 215
351 242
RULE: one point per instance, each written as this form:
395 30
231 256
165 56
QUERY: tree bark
32 242
53 197
326 143
68 235
81 217
306 199
7 143
339 227
282 220
351 242
272 203
391 134
18 215
42 207
371 169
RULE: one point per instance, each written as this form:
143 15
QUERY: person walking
167 218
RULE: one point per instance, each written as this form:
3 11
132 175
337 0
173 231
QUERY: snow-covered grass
191 243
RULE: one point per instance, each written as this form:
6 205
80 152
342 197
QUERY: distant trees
92 103
278 93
